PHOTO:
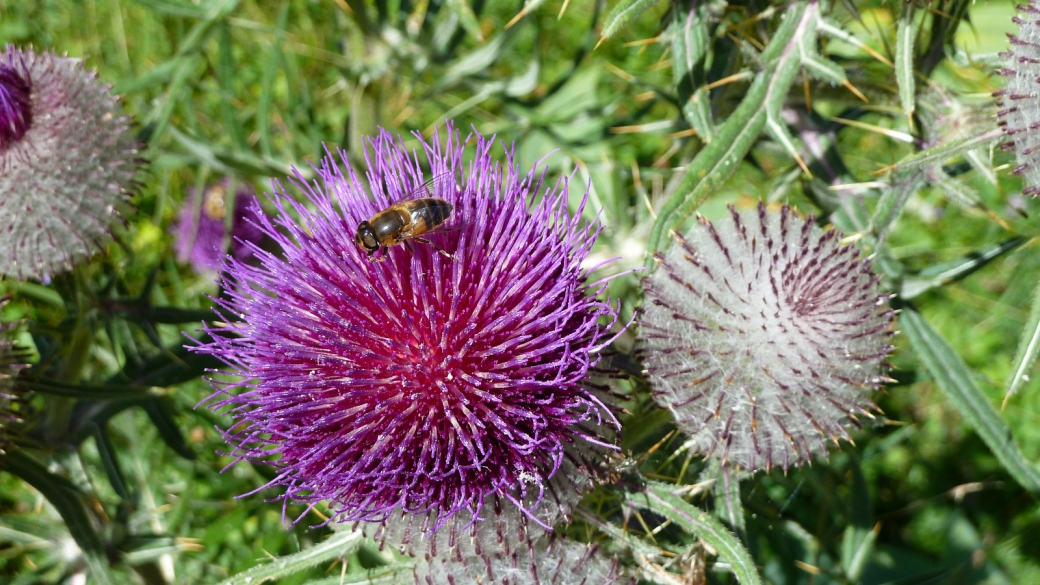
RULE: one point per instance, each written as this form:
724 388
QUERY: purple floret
421 384
15 102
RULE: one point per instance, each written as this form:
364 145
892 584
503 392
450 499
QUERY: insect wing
434 185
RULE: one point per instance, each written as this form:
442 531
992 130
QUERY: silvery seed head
1020 100
66 161
764 336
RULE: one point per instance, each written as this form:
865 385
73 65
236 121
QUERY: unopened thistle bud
549 561
66 160
764 336
1020 101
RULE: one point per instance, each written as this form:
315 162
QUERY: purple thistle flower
66 160
763 336
199 229
1019 102
421 384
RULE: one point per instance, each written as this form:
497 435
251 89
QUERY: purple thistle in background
1020 100
763 335
419 385
199 230
66 161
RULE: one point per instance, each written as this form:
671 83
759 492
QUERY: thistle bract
66 160
1020 100
763 335
548 561
420 384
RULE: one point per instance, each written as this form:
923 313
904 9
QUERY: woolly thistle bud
763 336
66 160
549 561
1020 100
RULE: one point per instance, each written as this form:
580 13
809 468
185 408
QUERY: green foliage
872 115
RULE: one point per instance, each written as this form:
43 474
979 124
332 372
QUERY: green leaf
338 545
468 20
893 200
110 461
69 503
34 291
176 7
719 159
622 13
954 270
475 61
159 412
661 499
857 544
690 44
906 34
941 153
955 379
91 391
1028 349
824 69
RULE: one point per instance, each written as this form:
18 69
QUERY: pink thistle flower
66 161
422 384
199 230
764 336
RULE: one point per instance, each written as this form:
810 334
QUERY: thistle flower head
199 229
66 160
1019 102
420 384
763 335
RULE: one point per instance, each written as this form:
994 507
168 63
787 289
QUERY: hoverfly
408 219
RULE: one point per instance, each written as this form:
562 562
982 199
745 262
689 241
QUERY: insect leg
429 243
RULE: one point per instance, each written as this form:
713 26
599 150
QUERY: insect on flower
408 219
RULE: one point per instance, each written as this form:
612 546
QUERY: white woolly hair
63 182
550 561
1020 100
506 523
763 336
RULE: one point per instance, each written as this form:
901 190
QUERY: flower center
15 106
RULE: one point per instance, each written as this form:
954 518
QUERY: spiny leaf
341 544
719 159
906 34
1028 350
622 13
955 379
661 499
